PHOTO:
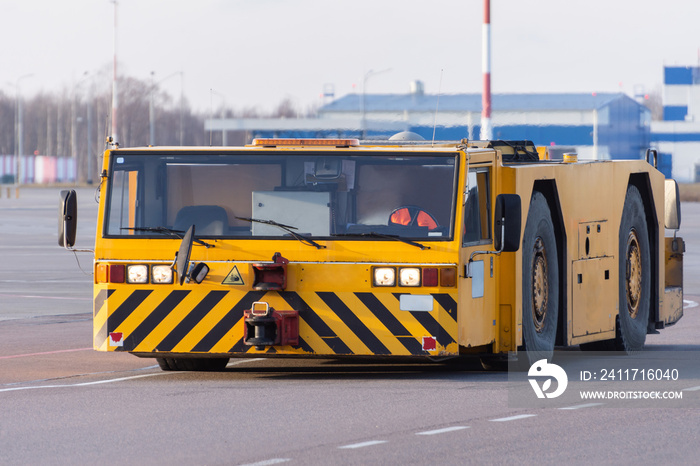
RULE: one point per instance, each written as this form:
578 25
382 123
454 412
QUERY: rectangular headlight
384 276
137 274
409 276
161 274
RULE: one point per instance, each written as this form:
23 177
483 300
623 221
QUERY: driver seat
209 220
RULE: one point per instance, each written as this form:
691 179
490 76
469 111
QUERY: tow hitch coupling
266 327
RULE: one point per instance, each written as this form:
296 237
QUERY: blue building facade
677 136
598 125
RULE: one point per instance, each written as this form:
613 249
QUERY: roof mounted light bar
274 142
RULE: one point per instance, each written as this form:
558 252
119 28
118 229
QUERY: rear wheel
540 281
192 364
635 275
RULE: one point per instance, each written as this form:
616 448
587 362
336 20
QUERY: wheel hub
633 274
540 285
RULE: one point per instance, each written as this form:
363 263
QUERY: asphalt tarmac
61 402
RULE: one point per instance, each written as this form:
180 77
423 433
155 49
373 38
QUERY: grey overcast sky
259 52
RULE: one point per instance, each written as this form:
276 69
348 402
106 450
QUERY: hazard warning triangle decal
233 277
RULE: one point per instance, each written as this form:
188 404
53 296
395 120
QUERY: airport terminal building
598 126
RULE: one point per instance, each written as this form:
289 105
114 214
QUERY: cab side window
477 207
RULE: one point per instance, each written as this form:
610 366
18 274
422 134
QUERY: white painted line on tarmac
4 295
442 431
45 353
586 405
242 361
513 418
268 462
688 304
83 384
692 389
364 444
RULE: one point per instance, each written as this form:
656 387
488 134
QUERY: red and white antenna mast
486 133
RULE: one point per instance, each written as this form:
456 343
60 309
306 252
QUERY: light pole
73 132
151 105
363 109
115 96
211 114
90 155
19 125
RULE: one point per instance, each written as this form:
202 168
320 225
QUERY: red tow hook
271 277
266 327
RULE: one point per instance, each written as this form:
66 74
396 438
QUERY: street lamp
19 125
211 114
73 131
151 105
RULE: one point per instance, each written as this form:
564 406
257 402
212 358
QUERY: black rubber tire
193 364
540 281
635 275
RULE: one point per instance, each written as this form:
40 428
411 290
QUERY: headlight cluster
414 276
133 274
160 274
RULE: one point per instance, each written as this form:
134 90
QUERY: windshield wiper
374 234
167 231
288 228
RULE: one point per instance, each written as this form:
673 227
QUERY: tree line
76 122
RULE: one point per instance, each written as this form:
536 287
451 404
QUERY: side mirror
507 223
672 206
67 218
654 153
182 260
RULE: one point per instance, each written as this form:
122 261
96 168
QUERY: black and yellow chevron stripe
330 323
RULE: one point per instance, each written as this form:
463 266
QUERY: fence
37 169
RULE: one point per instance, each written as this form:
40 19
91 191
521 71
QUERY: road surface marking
43 297
692 389
513 418
442 431
587 405
364 444
688 304
83 384
243 361
268 462
44 353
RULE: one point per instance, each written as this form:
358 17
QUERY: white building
679 132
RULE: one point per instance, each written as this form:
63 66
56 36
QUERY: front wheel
540 281
635 275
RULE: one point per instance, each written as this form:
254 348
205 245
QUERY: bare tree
75 121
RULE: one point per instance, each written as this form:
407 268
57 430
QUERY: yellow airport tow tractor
331 248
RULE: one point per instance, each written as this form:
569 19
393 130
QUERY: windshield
265 195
